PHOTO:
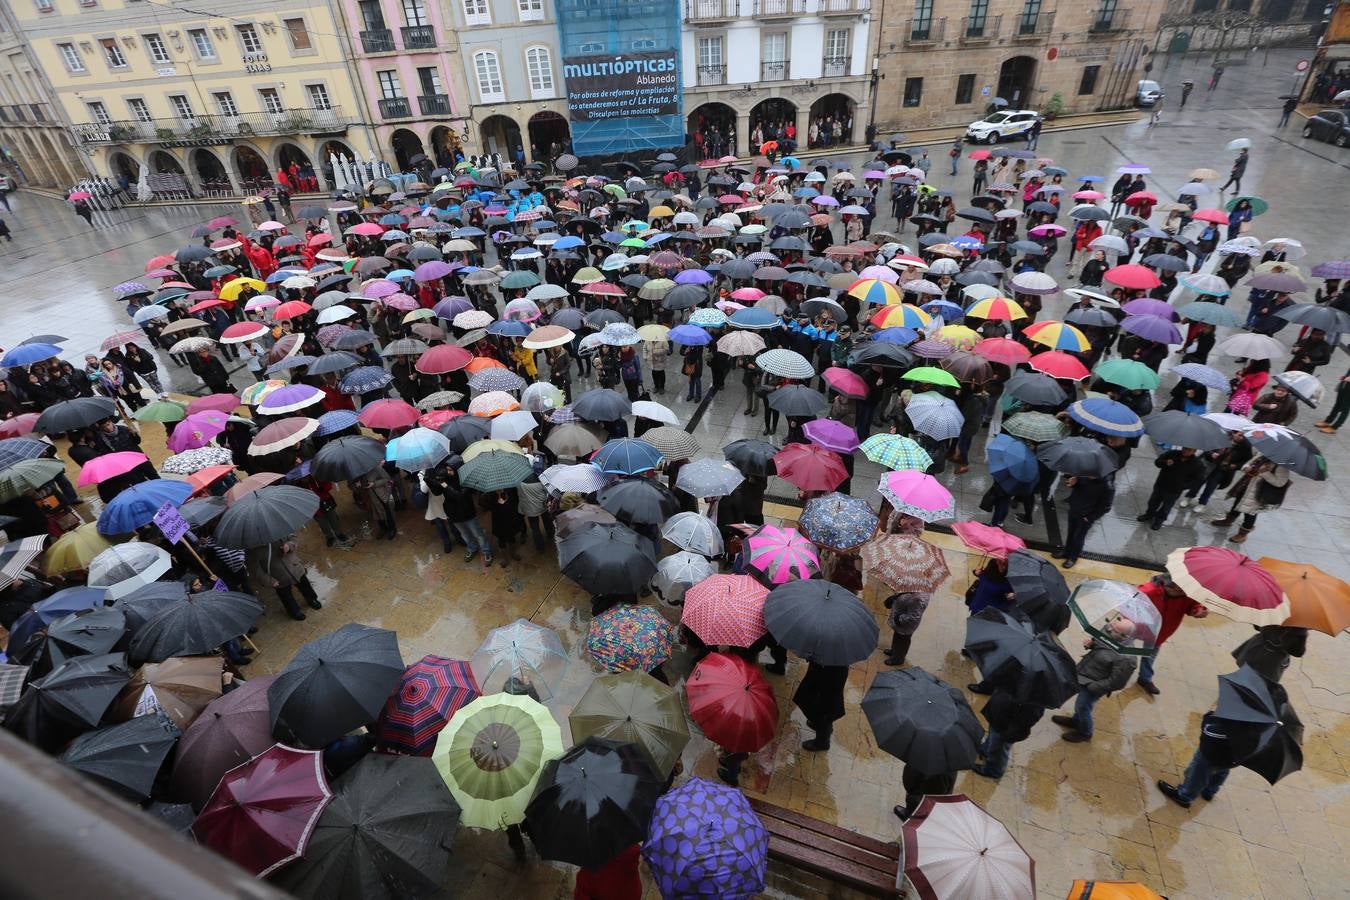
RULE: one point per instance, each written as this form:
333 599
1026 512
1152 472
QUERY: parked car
1330 125
1147 93
999 125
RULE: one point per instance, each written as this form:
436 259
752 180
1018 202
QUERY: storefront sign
628 86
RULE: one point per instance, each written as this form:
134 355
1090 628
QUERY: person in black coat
1089 500
1009 721
1271 649
210 371
820 697
1311 352
918 784
1178 471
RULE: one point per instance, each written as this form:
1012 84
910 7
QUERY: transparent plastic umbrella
1117 614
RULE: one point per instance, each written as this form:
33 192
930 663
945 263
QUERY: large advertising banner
605 87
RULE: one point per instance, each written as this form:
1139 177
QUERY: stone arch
55 162
38 170
286 152
837 111
406 145
121 163
1016 78
74 160
250 168
711 126
209 171
773 116
499 134
550 135
322 151
163 162
442 144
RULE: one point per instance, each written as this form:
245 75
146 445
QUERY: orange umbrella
1111 890
204 478
249 485
1316 600
480 363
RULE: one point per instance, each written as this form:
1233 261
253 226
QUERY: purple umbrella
432 271
1148 306
1339 268
693 276
824 200
832 435
1279 282
705 840
289 399
451 307
381 288
1152 328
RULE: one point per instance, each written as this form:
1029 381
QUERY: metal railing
780 7
212 129
1110 20
773 71
378 40
710 75
1036 25
419 37
834 66
836 7
395 108
925 31
434 104
710 10
980 28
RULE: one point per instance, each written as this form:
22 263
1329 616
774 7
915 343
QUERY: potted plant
1055 106
164 134
117 133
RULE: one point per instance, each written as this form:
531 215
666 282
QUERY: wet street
1083 811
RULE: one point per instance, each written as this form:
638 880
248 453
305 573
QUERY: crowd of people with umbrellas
427 356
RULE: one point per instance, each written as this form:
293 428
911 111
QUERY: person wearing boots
820 697
907 609
1262 487
275 565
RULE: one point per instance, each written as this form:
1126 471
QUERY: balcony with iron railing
976 29
773 8
212 129
419 37
925 31
1032 26
710 10
434 104
773 71
712 75
834 66
378 40
395 108
842 7
1107 20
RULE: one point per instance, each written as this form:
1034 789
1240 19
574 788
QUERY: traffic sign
1301 65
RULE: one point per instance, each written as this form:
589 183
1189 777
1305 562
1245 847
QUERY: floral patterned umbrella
629 638
705 840
781 554
838 521
903 562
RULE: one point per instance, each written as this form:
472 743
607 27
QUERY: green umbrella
932 375
1128 373
162 411
28 475
518 278
1258 205
635 708
491 755
1209 313
495 470
1035 426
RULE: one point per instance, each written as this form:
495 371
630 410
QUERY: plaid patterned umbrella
16 450
726 609
838 521
433 689
629 638
705 840
674 443
781 554
903 562
1035 426
896 452
12 679
495 470
16 555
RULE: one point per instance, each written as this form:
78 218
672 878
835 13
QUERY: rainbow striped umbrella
726 609
781 554
1057 336
432 690
902 315
875 291
997 308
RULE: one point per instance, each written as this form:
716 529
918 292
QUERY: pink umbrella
222 403
832 435
885 273
748 294
846 382
987 539
161 273
380 287
1048 228
432 271
122 337
726 609
389 414
917 494
400 302
781 554
196 430
369 229
242 331
109 465
79 195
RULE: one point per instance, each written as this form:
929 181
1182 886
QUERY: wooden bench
860 862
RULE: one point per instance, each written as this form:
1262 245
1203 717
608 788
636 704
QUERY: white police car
999 125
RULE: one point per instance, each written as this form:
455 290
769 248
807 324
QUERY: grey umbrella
1090 316
69 415
354 340
333 362
386 834
798 401
347 457
266 515
568 317
708 478
821 622
198 623
125 757
752 456
918 718
69 700
1078 456
1039 590
1182 429
202 510
738 268
85 633
881 353
608 559
1324 318
638 501
142 604
1011 654
464 430
335 683
1035 389
601 405
685 296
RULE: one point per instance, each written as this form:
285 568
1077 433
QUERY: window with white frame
836 44
154 45
429 80
318 96
488 70
476 12
113 53
539 66
139 110
225 103
44 5
414 13
201 43
182 107
530 10
99 112
271 100
773 57
248 38
298 33
390 87
71 57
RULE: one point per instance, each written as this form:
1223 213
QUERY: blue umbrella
626 456
137 505
950 312
509 328
420 449
364 380
335 421
399 275
58 605
1012 463
27 354
692 335
149 313
15 450
1106 417
754 318
896 335
568 242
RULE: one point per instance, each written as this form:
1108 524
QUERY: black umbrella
354 340
178 816
1035 389
311 212
1091 316
739 268
69 415
85 633
601 405
192 253
464 430
69 700
1324 318
881 353
593 803
1039 590
685 296
335 683
1040 206
1013 655
202 510
821 622
1182 429
1264 733
608 559
599 318
798 401
266 515
144 603
125 757
333 362
1164 262
752 456
347 458
1293 451
975 214
197 624
386 834
1078 456
920 719
638 501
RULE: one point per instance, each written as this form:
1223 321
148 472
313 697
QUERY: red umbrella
1058 364
1215 216
263 812
243 331
809 467
978 155
222 222
438 417
19 425
206 304
433 689
159 262
443 358
388 414
1229 583
223 403
726 609
1002 350
1132 276
987 539
291 309
733 704
1139 198
204 478
122 337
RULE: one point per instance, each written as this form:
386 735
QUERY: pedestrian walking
1290 104
1214 77
1261 488
1235 177
1340 410
955 155
1033 134
1102 671
1271 649
820 697
1010 721
906 612
1186 88
276 566
1089 500
1178 471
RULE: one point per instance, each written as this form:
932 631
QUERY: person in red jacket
1173 605
263 262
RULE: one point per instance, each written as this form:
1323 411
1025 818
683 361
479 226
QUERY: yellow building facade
191 104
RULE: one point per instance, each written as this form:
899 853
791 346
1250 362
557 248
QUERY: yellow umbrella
231 289
486 444
959 336
654 333
417 315
588 275
73 550
660 212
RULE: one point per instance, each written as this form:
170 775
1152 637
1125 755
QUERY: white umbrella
693 532
513 425
339 177
1253 346
954 849
1109 242
1239 144
124 568
678 572
650 409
